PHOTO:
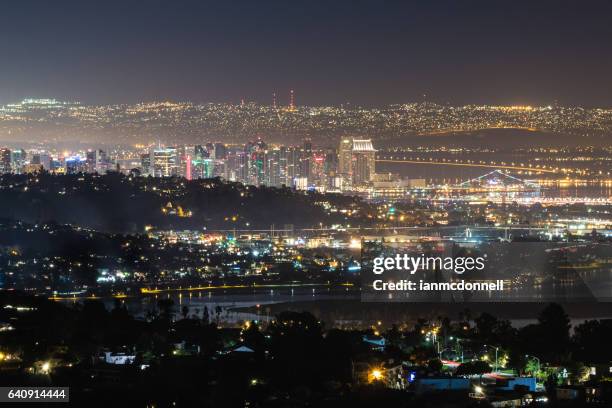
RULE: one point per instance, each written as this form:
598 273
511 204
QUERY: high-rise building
75 165
30 168
255 158
43 159
317 168
210 150
218 168
293 165
200 152
300 183
18 160
356 160
220 151
284 179
5 160
186 155
345 151
97 161
272 168
145 164
164 162
90 159
331 163
306 160
363 161
236 166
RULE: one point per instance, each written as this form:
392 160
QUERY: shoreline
329 310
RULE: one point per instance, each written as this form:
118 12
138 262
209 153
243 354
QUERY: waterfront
338 307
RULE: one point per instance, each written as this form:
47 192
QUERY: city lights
314 204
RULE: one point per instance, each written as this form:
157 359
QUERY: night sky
331 52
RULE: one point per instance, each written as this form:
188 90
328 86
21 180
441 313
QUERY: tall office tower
331 163
363 161
256 168
210 150
293 165
283 178
345 151
145 164
256 145
335 183
197 162
200 168
300 183
209 168
237 166
356 161
306 160
186 156
272 170
188 162
255 152
56 165
200 152
18 160
104 162
189 151
220 151
243 167
218 168
97 161
90 161
75 165
317 168
5 160
180 161
164 162
231 166
197 168
43 159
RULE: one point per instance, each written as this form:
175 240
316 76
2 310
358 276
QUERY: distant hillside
180 123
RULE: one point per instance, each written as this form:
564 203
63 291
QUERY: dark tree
474 368
435 365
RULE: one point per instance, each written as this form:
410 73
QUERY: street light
458 340
478 393
496 350
376 375
433 339
434 333
460 345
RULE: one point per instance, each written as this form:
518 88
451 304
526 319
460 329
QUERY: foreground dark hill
118 203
